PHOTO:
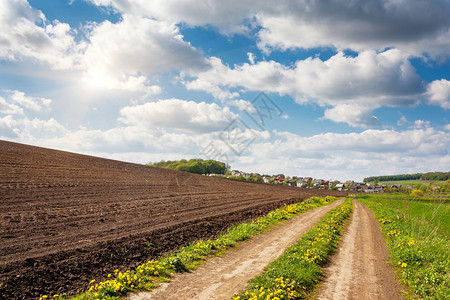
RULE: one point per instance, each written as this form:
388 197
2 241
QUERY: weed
150 245
144 276
417 193
297 271
418 243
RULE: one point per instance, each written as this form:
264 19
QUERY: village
307 182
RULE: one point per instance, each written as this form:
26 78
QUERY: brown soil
223 277
67 218
360 268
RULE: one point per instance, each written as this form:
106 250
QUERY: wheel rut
223 277
360 268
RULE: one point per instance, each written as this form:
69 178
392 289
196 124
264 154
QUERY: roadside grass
147 275
431 209
418 238
295 274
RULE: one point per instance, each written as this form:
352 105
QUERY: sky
327 89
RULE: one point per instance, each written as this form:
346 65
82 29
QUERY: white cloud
417 142
251 58
415 27
16 101
438 93
9 108
353 86
228 16
402 121
329 155
28 131
27 34
175 114
33 103
419 124
120 56
8 127
353 114
351 155
124 54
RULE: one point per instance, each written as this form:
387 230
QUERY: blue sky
330 89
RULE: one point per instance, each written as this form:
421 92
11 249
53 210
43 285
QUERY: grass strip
295 274
146 275
419 249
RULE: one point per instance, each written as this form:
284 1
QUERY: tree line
441 176
197 166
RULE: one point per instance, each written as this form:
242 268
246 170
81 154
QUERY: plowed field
67 218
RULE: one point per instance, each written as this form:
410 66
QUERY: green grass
410 182
418 238
295 274
429 210
148 274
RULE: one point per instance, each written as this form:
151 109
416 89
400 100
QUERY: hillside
66 218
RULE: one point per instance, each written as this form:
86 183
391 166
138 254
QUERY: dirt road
360 269
67 218
223 277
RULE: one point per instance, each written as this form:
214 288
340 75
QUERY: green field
417 233
411 182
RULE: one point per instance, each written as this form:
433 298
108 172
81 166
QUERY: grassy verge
295 274
417 237
145 276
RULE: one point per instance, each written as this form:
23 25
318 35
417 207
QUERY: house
436 189
280 178
290 183
355 188
378 189
236 173
369 189
266 179
340 186
334 183
301 183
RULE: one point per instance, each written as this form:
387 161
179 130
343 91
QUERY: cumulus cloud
417 142
8 127
229 16
176 114
15 102
414 27
352 86
27 34
328 155
353 155
123 54
9 108
28 131
438 93
421 124
402 121
353 114
119 56
33 103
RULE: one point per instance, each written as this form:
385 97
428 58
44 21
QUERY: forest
197 166
440 176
